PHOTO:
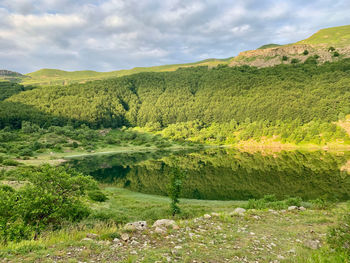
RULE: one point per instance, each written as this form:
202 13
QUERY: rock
116 240
92 236
125 237
206 216
178 247
136 226
302 208
215 214
165 223
313 244
160 230
238 211
257 217
293 207
280 257
87 239
134 242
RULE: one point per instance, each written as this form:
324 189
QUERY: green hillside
61 77
269 46
337 36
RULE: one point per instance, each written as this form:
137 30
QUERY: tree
175 191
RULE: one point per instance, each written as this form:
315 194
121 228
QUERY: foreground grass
257 236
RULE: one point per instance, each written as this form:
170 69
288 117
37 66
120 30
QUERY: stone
293 207
302 208
125 237
207 216
238 211
160 230
116 240
178 247
165 223
215 214
313 244
87 239
92 236
134 242
136 226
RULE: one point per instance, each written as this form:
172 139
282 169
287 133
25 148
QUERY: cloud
115 34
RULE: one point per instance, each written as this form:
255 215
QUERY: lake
226 173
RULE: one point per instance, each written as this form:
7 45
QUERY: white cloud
115 34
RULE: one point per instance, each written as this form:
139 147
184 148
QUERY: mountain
12 76
61 77
328 44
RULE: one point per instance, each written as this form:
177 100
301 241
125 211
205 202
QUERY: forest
297 102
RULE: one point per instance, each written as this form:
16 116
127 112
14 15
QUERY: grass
337 36
258 235
61 77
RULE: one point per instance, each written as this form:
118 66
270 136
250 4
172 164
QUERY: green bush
320 203
293 201
305 53
336 54
97 195
10 162
284 58
52 197
295 61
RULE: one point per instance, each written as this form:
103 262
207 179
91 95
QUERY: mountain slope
337 36
61 77
12 76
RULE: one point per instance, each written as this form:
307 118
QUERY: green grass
61 77
337 36
269 46
259 235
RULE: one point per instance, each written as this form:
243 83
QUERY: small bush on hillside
295 61
10 162
336 54
331 49
97 195
305 53
294 201
320 203
284 58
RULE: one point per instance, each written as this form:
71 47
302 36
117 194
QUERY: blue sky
106 35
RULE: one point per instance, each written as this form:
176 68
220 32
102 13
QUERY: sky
106 35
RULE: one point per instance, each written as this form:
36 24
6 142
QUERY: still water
226 174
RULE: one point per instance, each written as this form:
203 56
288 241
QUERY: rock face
8 73
273 56
167 223
136 226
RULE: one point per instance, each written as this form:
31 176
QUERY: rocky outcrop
8 73
285 54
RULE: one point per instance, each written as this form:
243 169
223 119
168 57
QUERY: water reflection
227 174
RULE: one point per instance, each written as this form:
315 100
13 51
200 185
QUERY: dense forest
303 98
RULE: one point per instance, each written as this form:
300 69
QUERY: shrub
336 54
305 53
51 198
331 49
97 195
320 203
295 61
284 58
293 201
10 162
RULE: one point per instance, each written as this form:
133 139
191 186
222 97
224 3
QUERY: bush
293 201
331 49
51 198
295 61
305 53
97 195
320 203
336 54
284 58
10 162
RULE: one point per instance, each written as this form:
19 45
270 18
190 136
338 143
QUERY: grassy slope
337 36
59 77
259 235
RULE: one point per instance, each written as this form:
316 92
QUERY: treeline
218 95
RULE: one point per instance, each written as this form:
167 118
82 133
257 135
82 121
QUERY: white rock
125 237
160 230
165 223
293 207
87 239
136 226
178 247
238 211
302 208
116 240
206 216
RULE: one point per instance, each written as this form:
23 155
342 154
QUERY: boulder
302 208
160 230
92 236
293 207
313 244
207 216
136 226
238 211
87 239
215 214
167 223
125 237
